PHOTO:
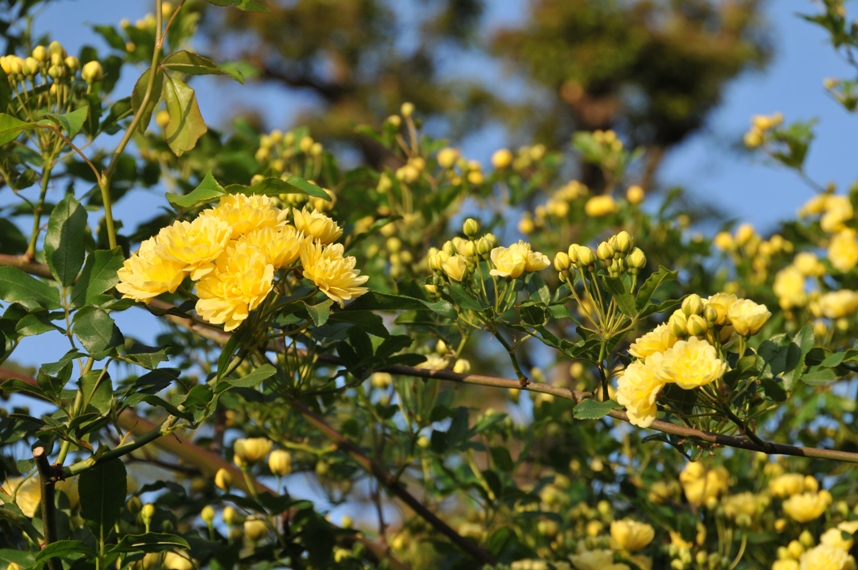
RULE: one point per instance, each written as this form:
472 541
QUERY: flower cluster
233 251
761 125
617 255
685 350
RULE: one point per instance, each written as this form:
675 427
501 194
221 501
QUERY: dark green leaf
151 542
97 390
190 63
102 493
275 187
502 458
186 124
64 242
774 391
98 276
207 191
71 122
621 295
63 549
817 376
251 380
96 330
805 341
18 287
367 320
463 299
593 410
35 324
651 285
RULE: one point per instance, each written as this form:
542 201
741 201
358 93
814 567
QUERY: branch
49 507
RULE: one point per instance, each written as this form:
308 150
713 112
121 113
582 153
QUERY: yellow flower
635 194
744 234
145 274
745 504
808 264
787 484
814 206
195 244
508 261
826 557
246 213
280 462
174 561
317 224
455 266
843 250
838 304
787 564
657 340
501 158
255 529
600 206
838 209
747 317
334 274
834 536
631 535
807 506
723 241
722 303
691 363
281 246
789 287
252 449
701 484
27 493
242 279
596 560
638 389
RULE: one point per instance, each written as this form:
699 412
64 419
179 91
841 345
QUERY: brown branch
49 507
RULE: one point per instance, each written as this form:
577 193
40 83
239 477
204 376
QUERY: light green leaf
64 242
139 93
251 5
11 127
71 122
102 493
96 330
621 295
186 124
18 287
62 549
250 381
593 410
319 313
275 187
207 191
99 275
191 63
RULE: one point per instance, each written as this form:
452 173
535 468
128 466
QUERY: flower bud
223 479
134 505
806 538
30 67
449 248
678 324
484 246
573 254
447 157
586 256
384 183
604 252
252 449
255 529
635 194
57 47
231 516
625 242
92 72
696 325
502 158
407 109
692 305
280 462
462 366
795 549
40 53
493 241
471 227
147 512
423 442
207 514
394 120
636 261
72 63
561 261
306 144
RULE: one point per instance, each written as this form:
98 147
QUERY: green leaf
275 187
98 275
190 63
251 5
64 242
250 381
148 357
463 299
35 324
63 549
71 122
151 542
207 191
593 410
375 301
651 285
138 94
617 287
805 341
319 313
817 376
97 390
186 124
11 127
96 330
18 287
102 493
367 320
502 458
774 391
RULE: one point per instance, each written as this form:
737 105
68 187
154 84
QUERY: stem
522 378
49 508
37 211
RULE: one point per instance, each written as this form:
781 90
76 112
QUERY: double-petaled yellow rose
690 363
843 250
638 389
514 260
146 274
332 272
194 244
748 317
826 557
657 340
805 507
246 213
317 225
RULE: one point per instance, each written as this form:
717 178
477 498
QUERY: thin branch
49 507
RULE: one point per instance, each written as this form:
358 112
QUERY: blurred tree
651 69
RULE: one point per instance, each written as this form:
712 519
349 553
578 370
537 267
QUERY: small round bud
710 313
573 254
394 120
255 529
207 514
449 248
231 516
407 109
484 246
696 325
795 549
423 442
462 366
502 158
493 241
72 63
605 252
92 72
223 479
134 505
57 48
586 256
280 462
561 261
636 260
635 194
692 305
471 227
40 53
347 522
316 149
447 157
625 242
147 512
162 119
251 449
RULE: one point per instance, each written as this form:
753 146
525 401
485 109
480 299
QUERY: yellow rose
722 303
843 250
745 504
826 557
600 206
834 536
631 535
638 389
838 304
701 484
280 462
145 274
789 287
806 506
657 340
838 209
194 244
27 493
246 213
786 485
814 206
788 564
316 224
252 449
241 280
508 261
690 363
334 274
596 560
747 317
808 264
281 246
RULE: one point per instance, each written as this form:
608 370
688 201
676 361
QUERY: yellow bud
635 194
625 242
830 82
678 324
147 512
525 225
586 256
306 144
604 252
502 158
92 72
316 149
462 366
223 479
251 449
407 109
162 119
696 325
744 234
40 53
806 538
57 48
476 177
561 261
347 522
636 261
255 529
280 462
692 305
795 549
207 514
471 227
780 525
231 516
72 63
536 152
423 442
394 120
134 505
811 484
447 157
